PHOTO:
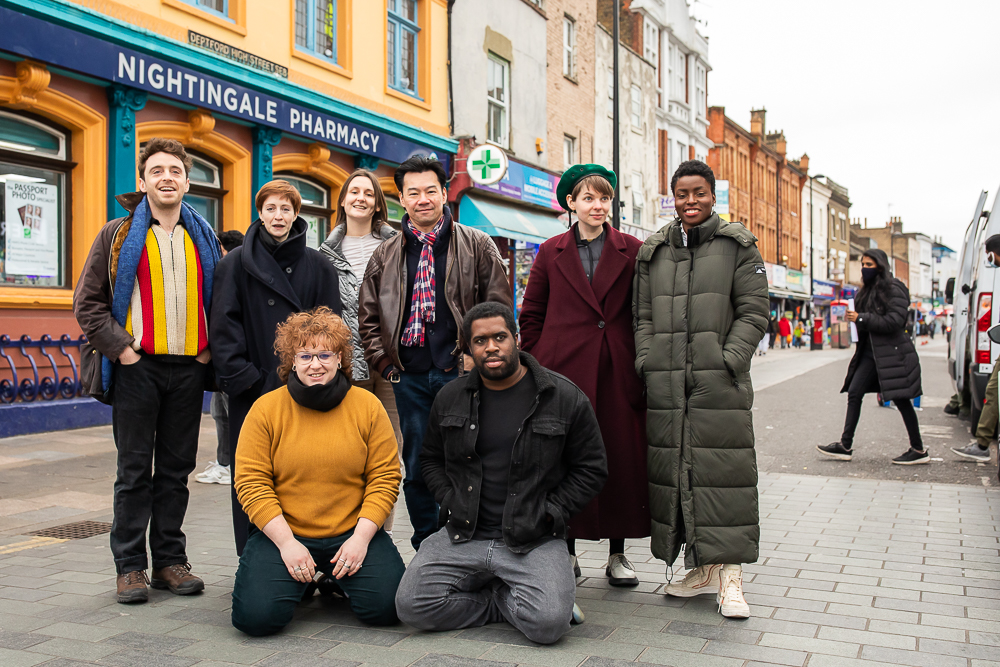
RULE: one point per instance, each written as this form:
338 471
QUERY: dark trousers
220 413
156 418
865 381
239 408
265 595
415 394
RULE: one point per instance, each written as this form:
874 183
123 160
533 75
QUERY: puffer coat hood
700 310
350 288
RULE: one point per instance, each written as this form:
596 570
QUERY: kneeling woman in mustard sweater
317 472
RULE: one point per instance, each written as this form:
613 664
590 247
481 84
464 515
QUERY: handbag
91 379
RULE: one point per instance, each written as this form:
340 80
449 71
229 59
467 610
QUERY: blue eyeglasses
305 358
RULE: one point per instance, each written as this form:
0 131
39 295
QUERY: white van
970 352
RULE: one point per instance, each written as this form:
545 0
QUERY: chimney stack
757 126
804 162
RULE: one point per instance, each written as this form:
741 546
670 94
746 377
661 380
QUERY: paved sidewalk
852 572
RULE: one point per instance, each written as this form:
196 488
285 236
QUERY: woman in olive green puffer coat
700 309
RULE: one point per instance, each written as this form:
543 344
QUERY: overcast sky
898 100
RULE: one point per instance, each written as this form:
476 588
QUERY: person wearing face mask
701 308
272 275
317 471
577 307
362 226
884 361
979 449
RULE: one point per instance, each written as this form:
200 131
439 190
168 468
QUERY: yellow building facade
307 90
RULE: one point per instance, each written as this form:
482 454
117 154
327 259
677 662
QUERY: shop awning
508 221
779 293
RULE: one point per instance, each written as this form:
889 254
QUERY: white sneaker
732 604
700 580
620 572
214 474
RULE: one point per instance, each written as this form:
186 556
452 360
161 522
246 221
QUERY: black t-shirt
501 414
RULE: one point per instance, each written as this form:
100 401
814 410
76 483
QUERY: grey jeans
450 586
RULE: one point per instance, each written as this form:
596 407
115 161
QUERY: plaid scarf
424 287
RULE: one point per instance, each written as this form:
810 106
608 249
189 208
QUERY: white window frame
569 150
503 138
635 107
651 42
569 47
611 91
699 94
678 71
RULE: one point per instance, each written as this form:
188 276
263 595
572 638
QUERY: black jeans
156 419
865 381
265 595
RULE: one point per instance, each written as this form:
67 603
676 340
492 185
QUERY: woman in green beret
577 321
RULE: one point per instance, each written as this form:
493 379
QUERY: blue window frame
316 27
401 46
220 7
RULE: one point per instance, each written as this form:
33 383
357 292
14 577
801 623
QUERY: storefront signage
32 214
777 275
667 208
63 47
235 54
526 184
486 164
795 281
722 197
824 290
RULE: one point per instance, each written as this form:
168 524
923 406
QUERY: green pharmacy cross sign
487 164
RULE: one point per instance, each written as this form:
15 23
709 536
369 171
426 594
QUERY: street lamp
812 250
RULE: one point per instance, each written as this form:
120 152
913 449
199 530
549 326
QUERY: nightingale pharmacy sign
53 44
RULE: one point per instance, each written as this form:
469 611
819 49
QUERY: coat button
600 325
466 521
470 488
270 302
472 427
288 270
456 537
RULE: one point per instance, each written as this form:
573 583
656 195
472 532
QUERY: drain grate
74 531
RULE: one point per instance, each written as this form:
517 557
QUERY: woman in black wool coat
884 360
257 286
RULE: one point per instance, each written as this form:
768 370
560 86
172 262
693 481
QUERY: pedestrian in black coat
258 285
885 360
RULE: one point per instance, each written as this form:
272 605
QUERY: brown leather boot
178 579
132 587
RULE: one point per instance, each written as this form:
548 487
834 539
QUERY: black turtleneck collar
321 397
286 252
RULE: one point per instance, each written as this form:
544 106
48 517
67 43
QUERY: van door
963 289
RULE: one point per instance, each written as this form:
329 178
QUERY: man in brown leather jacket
416 290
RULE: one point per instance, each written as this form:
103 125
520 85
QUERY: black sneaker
836 450
951 409
912 457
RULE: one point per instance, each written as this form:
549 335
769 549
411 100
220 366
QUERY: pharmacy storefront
79 95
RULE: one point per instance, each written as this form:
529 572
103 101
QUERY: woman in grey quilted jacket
362 225
700 309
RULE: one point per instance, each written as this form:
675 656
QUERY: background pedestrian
884 360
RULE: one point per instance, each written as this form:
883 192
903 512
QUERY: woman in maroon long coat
577 321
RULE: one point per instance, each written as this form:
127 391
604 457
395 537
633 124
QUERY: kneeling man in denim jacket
512 452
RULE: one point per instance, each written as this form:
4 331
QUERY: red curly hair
320 327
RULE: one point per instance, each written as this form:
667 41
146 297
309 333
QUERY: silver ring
342 560
297 569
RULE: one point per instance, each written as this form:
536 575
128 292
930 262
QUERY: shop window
315 209
34 168
497 82
316 27
401 45
206 193
395 212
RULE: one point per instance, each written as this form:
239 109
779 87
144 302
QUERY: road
798 405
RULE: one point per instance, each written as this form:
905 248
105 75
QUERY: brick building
765 186
570 81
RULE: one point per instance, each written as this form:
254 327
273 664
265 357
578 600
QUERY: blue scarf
209 254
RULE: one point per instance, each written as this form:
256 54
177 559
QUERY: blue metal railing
47 388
